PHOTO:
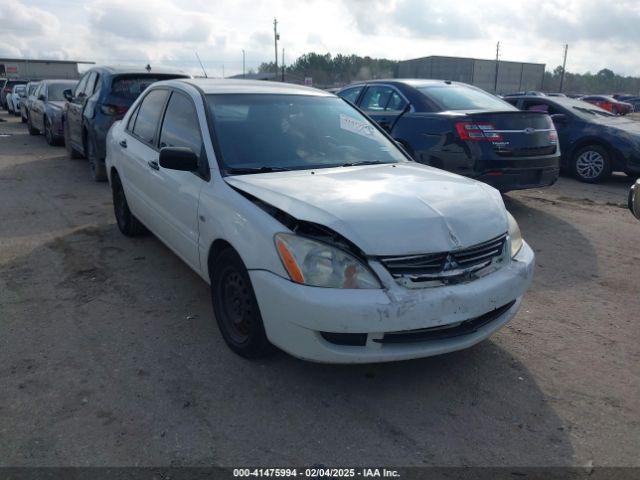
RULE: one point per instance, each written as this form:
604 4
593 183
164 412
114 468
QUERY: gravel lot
109 354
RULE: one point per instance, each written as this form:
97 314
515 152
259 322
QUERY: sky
600 33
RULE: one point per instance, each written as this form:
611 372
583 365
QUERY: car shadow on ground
113 358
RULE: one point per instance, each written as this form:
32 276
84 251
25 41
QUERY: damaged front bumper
357 326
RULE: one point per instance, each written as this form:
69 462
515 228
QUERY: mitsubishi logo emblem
450 264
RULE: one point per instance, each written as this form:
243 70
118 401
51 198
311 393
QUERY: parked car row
319 222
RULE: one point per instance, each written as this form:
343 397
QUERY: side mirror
68 95
41 97
178 158
559 118
634 199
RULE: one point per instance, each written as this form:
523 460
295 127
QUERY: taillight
477 132
113 109
553 136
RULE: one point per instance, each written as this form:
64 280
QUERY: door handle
153 164
123 143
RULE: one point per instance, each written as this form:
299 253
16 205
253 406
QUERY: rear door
383 103
140 159
37 107
176 193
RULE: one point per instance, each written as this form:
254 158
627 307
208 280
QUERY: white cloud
600 34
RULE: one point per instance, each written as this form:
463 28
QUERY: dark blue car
593 141
103 96
463 129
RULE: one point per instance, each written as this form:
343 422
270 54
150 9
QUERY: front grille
446 265
466 327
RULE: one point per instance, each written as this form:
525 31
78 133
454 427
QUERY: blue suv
103 96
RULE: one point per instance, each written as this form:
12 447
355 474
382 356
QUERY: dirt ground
109 354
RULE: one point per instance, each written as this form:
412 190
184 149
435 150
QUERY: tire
48 134
22 119
72 152
591 164
128 224
31 128
236 308
96 166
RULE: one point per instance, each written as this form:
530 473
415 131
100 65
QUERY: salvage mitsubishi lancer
315 231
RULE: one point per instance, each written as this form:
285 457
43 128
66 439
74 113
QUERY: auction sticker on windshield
355 126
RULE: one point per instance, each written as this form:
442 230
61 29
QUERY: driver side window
81 85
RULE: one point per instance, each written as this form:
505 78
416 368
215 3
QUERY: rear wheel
591 164
128 224
72 152
236 308
31 128
97 166
48 132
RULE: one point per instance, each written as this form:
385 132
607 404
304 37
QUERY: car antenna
201 65
148 67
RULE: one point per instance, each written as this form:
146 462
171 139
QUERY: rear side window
376 98
149 115
460 97
351 94
180 127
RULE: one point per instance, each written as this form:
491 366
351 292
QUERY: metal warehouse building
512 76
32 69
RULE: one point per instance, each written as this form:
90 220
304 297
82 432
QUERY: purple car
45 111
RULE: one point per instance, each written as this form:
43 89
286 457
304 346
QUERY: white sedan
316 232
15 97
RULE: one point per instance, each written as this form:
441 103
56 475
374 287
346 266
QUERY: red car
610 104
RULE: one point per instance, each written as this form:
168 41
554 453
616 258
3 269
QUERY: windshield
260 132
55 91
461 97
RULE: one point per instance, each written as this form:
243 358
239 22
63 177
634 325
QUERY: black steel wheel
236 308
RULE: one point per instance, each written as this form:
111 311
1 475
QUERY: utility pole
495 85
564 65
223 70
243 58
283 64
276 37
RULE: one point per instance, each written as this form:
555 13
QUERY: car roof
64 81
124 70
411 82
230 86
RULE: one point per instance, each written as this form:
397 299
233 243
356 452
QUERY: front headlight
515 237
318 264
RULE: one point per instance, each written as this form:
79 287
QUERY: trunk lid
517 133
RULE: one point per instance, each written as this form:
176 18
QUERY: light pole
276 37
243 58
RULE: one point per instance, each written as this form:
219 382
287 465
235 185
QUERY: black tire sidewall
257 344
606 171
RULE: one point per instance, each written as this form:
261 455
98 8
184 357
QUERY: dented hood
403 209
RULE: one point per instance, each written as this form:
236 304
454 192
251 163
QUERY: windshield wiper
364 162
249 170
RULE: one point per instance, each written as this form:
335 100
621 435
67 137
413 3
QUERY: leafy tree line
328 71
605 81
